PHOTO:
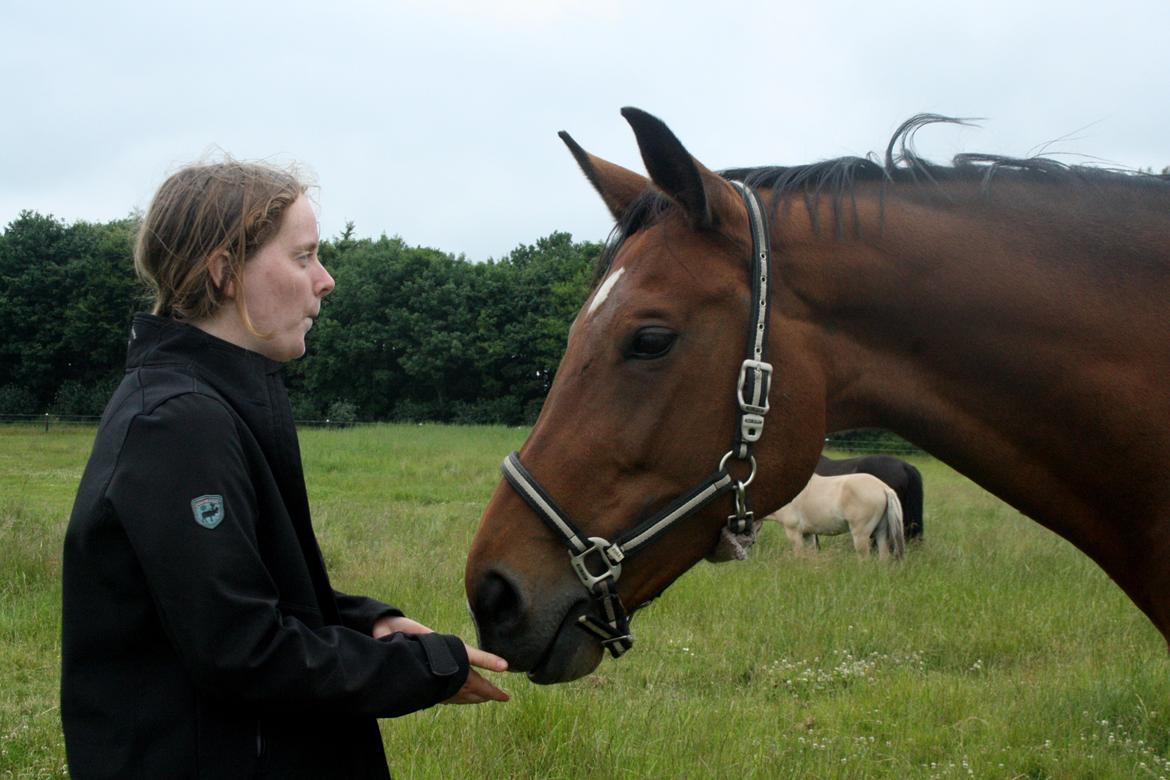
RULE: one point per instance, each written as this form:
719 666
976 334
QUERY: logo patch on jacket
208 510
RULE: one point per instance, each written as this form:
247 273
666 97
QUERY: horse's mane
837 178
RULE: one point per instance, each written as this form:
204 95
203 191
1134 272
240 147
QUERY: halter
597 561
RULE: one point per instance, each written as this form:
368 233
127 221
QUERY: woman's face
284 283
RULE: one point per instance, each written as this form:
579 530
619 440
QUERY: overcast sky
436 120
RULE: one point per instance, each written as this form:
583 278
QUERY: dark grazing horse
1010 317
903 477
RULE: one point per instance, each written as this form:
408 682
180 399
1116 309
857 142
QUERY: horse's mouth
571 654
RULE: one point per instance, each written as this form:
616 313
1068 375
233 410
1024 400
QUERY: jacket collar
239 372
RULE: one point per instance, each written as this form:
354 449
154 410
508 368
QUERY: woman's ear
217 267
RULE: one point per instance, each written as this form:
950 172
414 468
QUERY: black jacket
201 637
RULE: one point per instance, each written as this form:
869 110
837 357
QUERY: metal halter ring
752 458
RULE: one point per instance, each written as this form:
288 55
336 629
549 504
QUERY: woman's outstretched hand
476 688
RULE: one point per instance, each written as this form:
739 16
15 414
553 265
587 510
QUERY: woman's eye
650 343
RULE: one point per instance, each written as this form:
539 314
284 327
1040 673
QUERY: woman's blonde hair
204 211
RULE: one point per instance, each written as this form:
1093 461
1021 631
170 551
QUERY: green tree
67 293
434 337
523 326
410 332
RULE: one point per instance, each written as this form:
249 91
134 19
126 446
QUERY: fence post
46 422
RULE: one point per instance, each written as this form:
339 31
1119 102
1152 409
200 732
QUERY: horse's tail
895 528
912 503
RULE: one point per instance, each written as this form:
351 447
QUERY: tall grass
995 650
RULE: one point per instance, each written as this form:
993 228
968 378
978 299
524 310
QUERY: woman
201 636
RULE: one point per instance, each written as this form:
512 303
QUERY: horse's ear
617 186
707 198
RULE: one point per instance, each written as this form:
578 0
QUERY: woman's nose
325 284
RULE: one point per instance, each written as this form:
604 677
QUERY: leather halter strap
597 561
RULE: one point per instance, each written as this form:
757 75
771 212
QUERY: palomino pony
903 477
1009 317
860 505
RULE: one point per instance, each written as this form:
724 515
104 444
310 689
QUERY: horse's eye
650 343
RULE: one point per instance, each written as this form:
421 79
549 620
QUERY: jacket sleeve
183 492
361 613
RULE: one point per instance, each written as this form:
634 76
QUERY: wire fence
868 441
884 444
50 422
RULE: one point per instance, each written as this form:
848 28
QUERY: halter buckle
611 557
617 639
762 387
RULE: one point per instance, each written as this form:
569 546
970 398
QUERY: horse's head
643 409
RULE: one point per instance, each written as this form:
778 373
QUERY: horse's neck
1005 352
1028 349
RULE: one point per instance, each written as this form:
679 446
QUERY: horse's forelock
645 211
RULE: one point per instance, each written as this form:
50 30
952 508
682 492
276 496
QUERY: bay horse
860 505
903 477
1007 316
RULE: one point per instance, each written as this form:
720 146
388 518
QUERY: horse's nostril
497 603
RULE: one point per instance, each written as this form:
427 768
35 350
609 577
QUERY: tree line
410 333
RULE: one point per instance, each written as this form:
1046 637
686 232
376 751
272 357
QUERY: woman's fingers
476 690
485 660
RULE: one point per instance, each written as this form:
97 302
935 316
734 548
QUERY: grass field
994 651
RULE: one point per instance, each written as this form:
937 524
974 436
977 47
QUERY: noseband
597 561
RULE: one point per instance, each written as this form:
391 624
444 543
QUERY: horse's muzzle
546 643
